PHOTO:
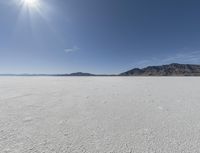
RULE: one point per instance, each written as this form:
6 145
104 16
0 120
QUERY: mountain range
173 69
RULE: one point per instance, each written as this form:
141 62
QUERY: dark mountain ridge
173 69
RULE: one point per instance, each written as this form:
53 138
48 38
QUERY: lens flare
31 3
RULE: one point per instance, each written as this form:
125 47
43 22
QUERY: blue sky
97 36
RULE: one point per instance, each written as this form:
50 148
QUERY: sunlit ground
99 114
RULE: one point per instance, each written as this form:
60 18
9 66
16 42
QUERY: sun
31 3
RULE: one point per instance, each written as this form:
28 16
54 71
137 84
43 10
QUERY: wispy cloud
73 49
187 57
192 57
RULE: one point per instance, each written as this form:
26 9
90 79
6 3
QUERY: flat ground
99 115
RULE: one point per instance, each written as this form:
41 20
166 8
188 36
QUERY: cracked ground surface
99 115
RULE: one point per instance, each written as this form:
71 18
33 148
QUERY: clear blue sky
97 36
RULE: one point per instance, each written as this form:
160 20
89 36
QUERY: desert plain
99 114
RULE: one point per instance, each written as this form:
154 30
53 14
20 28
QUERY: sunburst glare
31 3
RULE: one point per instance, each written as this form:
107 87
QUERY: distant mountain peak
173 69
81 74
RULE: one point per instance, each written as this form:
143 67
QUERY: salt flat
99 114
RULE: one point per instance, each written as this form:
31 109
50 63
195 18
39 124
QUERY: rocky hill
173 69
